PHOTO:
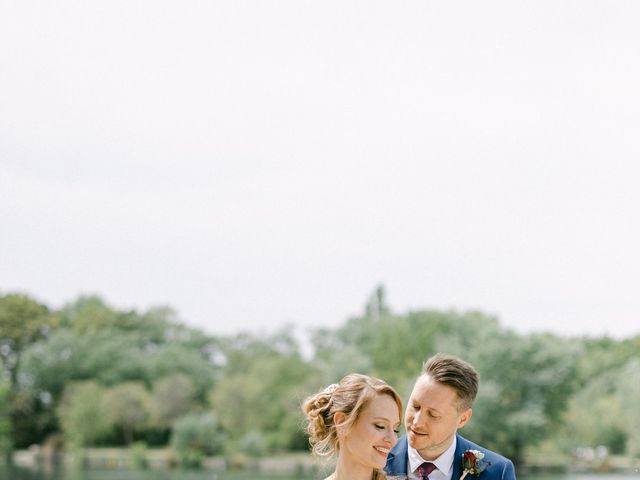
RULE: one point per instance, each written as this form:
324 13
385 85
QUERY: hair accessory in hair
330 389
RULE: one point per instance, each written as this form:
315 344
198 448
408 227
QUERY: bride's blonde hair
350 396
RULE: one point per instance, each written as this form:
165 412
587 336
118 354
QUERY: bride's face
371 437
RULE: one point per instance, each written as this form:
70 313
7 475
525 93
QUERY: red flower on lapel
472 463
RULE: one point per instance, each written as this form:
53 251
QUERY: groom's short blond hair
456 373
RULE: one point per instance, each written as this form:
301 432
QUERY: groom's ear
464 417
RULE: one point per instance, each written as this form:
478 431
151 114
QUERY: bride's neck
349 470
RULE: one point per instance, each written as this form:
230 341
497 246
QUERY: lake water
25 474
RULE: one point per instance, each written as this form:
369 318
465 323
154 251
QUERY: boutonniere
472 463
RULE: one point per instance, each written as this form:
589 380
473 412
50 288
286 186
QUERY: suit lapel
398 458
461 447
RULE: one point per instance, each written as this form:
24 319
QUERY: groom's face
433 417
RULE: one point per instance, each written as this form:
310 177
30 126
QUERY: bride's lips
382 450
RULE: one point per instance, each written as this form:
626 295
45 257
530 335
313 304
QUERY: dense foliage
92 375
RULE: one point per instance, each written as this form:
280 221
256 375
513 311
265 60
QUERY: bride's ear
338 420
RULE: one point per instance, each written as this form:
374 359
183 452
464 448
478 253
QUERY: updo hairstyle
350 396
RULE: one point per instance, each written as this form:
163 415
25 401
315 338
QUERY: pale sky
255 163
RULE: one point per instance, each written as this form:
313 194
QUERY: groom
439 405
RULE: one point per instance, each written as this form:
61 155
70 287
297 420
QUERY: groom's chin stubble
414 439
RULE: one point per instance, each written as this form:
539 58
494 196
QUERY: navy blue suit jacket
501 468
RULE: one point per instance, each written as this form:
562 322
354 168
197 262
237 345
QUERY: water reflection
18 473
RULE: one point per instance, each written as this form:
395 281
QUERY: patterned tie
425 469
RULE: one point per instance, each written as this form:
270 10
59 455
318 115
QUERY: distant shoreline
284 463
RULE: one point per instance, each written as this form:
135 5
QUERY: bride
357 419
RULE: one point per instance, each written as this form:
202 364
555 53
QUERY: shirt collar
444 462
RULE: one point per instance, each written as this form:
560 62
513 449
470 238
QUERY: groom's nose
419 418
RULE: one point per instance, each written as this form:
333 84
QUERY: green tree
377 304
83 413
604 411
595 417
525 388
108 357
412 338
129 405
180 358
266 393
408 339
601 355
5 420
196 436
88 314
629 395
172 398
23 321
236 396
112 357
111 347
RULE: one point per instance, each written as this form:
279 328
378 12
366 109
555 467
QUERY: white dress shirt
444 463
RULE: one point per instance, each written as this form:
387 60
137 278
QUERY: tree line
92 375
